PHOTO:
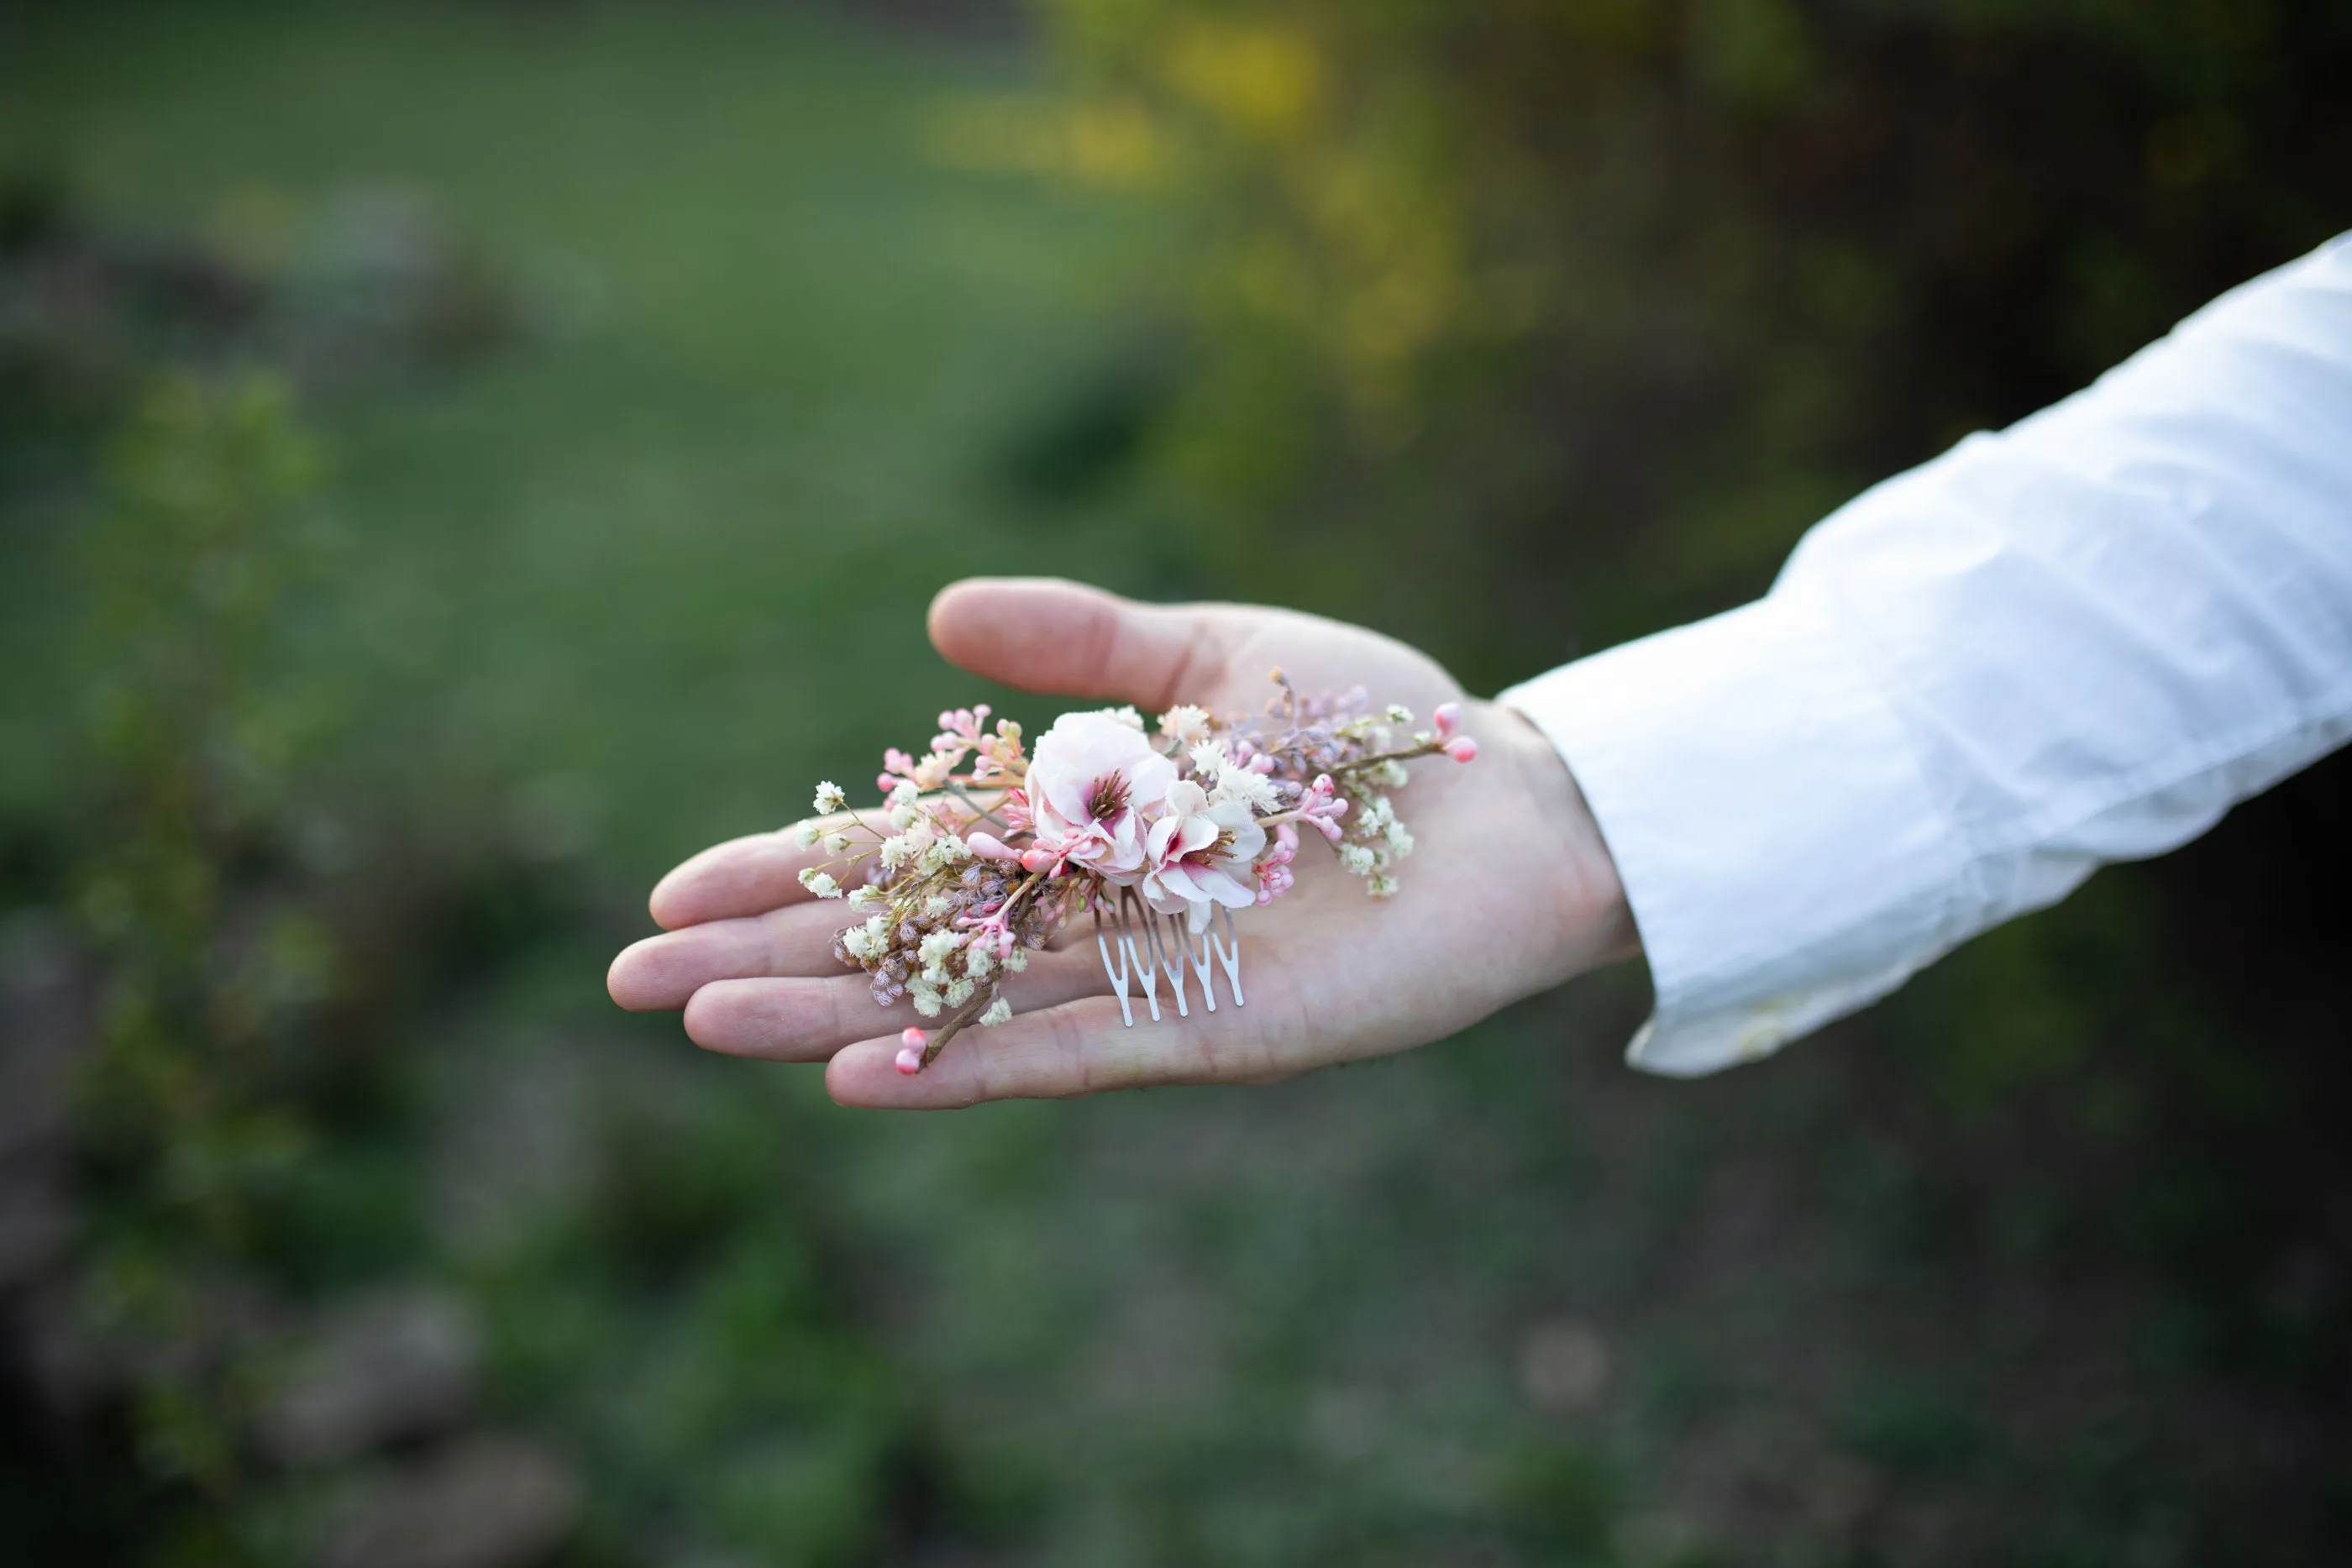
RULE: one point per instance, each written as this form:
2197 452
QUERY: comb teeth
1145 944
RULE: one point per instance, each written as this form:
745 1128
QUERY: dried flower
980 865
1202 855
1088 783
1185 725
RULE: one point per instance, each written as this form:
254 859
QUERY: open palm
1509 891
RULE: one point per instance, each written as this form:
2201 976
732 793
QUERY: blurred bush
344 294
1586 308
211 985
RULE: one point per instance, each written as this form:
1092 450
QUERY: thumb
1044 635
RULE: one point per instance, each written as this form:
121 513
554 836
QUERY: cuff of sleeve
1782 855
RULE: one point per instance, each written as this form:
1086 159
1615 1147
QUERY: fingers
1081 1048
661 972
1045 634
803 1019
743 876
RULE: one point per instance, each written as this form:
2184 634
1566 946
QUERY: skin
1509 892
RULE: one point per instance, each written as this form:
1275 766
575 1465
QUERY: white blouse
2077 640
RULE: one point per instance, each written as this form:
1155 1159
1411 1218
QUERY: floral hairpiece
981 864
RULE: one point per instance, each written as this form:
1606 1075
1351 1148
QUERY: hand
1509 891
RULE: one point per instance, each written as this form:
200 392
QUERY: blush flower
1202 855
962 876
1089 779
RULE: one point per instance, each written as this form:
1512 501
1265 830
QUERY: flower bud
987 846
1461 749
1448 718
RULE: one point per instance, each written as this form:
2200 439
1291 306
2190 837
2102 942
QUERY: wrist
1592 922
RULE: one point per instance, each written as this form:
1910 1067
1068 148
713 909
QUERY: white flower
959 993
1126 716
944 852
903 793
895 852
1400 838
1251 787
937 904
1209 759
1185 725
829 797
859 897
869 940
1399 714
1381 888
1202 855
1017 960
1090 781
836 842
1357 859
902 816
819 882
1375 815
1394 775
925 996
805 835
999 1011
978 961
935 948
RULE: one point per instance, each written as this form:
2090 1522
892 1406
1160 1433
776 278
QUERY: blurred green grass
667 555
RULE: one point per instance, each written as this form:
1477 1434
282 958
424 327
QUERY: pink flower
1448 718
1322 807
1461 749
1274 875
1088 783
1202 855
959 728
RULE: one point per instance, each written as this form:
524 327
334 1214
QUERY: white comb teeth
1147 943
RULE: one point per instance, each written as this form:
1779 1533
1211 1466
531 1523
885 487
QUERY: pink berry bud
988 847
910 1060
915 1037
1038 860
1461 749
1448 718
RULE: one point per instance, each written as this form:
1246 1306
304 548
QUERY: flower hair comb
1159 836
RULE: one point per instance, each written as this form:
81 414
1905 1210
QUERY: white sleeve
2078 640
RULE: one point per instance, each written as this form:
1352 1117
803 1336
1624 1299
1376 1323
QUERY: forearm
2075 641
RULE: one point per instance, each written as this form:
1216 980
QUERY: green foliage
202 543
1613 297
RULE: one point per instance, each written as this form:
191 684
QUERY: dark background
456 460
